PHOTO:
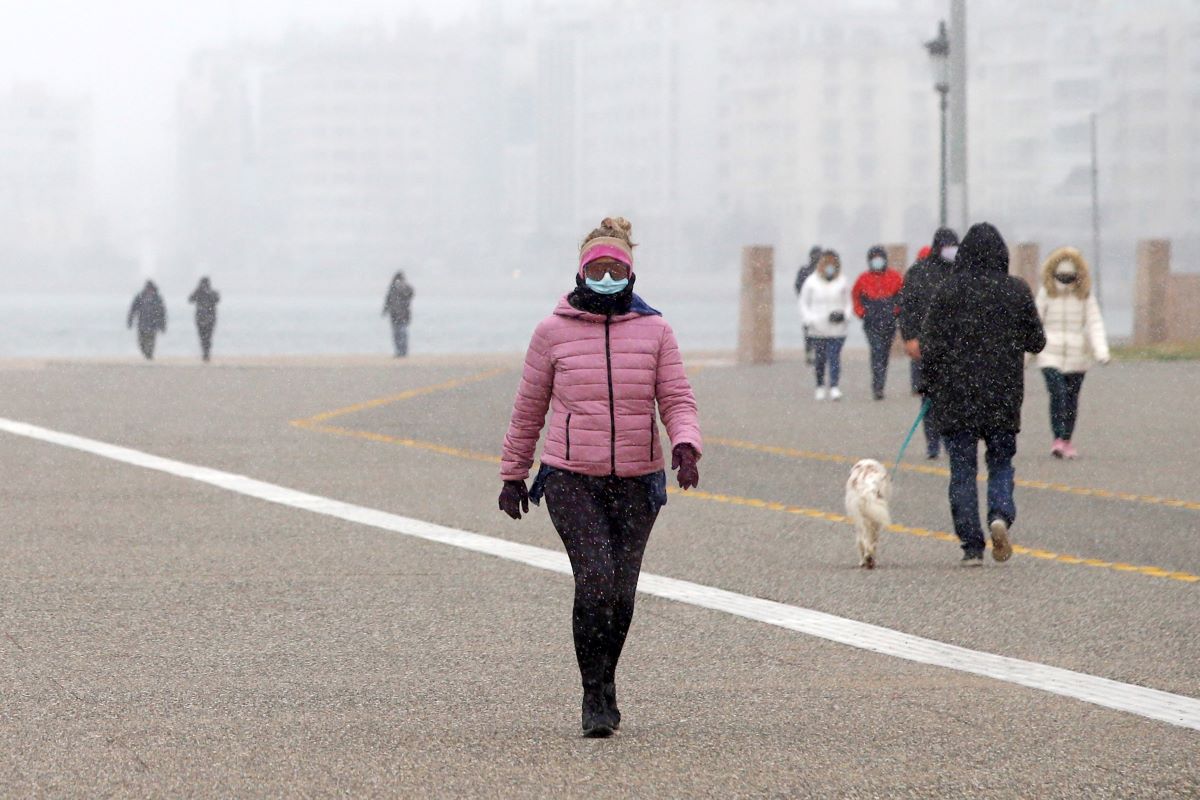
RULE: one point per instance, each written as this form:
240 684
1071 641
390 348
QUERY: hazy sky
128 56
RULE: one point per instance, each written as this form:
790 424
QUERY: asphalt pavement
163 637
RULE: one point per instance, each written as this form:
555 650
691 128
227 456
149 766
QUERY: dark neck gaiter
585 299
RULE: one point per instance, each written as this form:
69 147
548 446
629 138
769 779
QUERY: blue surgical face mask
607 285
949 253
878 264
830 272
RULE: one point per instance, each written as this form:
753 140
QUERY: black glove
684 458
837 316
514 498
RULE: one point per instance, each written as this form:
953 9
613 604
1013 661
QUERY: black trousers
1064 389
206 334
146 342
880 340
604 523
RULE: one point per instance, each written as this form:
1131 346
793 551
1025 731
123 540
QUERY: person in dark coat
802 274
398 306
206 300
980 325
151 315
920 285
876 295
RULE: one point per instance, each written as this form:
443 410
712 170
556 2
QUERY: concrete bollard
1150 291
756 321
1026 264
897 255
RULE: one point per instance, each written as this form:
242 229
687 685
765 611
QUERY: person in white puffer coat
825 309
1075 339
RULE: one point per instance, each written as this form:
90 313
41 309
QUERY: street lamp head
939 59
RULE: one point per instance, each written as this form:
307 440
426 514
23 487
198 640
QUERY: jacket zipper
568 437
652 427
612 407
1066 329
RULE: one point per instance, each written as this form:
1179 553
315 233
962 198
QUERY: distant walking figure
398 306
206 314
876 296
825 309
151 316
601 363
804 273
1075 337
920 285
980 325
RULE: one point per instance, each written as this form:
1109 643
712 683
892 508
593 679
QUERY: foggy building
1040 70
608 131
827 124
334 160
47 219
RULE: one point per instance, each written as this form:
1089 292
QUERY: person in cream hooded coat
1075 339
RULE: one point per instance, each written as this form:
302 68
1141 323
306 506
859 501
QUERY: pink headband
603 250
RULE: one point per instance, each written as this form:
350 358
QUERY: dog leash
911 431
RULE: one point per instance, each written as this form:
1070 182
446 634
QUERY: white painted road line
1150 703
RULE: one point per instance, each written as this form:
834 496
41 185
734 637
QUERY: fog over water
300 152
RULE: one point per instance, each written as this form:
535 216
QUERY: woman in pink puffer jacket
601 362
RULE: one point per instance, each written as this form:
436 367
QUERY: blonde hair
612 228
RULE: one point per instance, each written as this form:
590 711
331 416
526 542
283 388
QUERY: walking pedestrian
914 364
151 316
803 274
876 296
979 327
920 285
205 299
825 308
1075 337
398 305
601 362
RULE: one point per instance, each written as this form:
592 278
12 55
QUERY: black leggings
604 524
1064 388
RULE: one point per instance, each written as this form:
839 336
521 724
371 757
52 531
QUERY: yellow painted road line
829 516
315 424
765 505
401 441
808 455
445 386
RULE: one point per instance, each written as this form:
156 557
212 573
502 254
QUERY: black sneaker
610 701
597 724
879 395
972 559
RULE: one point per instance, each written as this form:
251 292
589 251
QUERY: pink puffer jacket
601 379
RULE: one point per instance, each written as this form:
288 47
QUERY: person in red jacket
875 295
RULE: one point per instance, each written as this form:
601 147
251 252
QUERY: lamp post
939 60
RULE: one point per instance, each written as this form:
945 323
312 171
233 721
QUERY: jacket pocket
568 437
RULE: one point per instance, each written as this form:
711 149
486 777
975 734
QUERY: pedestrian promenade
289 577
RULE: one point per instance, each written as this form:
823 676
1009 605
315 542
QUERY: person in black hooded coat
150 313
921 283
980 325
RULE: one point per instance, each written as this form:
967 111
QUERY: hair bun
619 224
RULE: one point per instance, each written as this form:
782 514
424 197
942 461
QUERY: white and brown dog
868 491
